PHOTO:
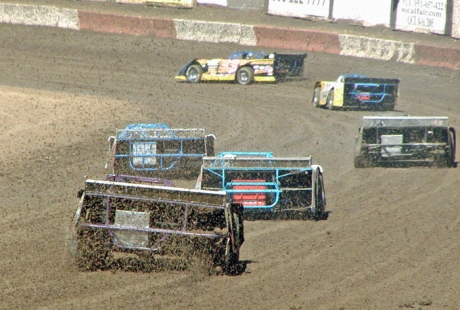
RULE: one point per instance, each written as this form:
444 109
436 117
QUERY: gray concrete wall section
68 18
246 4
215 32
248 35
365 47
442 55
456 20
37 15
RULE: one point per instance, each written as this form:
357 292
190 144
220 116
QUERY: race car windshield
244 55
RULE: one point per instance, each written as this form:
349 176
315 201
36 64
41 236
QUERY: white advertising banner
299 8
368 12
422 16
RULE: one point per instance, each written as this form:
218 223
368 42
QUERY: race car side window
237 55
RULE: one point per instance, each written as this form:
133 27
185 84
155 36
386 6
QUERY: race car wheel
245 76
194 73
234 239
359 162
320 198
94 249
388 107
441 161
330 100
316 95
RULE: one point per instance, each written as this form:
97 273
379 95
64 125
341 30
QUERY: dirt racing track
391 239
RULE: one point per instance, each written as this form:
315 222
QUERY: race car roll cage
284 173
143 139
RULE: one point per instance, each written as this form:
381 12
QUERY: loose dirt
391 240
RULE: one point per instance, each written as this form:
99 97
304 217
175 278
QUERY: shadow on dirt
413 165
290 79
285 216
133 264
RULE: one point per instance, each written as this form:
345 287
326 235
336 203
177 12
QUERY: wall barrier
39 15
249 35
111 23
365 47
299 39
214 32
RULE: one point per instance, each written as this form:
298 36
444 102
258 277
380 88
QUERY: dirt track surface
391 240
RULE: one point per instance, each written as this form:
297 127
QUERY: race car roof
158 131
242 55
350 75
405 121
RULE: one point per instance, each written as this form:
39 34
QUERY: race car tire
320 198
359 162
94 249
280 78
316 95
193 73
442 161
330 100
245 76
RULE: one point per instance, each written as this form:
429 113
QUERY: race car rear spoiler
367 80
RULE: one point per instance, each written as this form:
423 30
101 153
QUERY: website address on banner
421 12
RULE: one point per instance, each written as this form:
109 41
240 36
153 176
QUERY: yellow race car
356 91
243 67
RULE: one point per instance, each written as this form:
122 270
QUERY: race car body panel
181 74
225 69
259 67
357 91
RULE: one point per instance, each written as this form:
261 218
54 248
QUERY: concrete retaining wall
99 22
214 32
365 47
235 4
298 39
247 4
456 19
249 35
437 56
39 15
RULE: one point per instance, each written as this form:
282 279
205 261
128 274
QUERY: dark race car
244 67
